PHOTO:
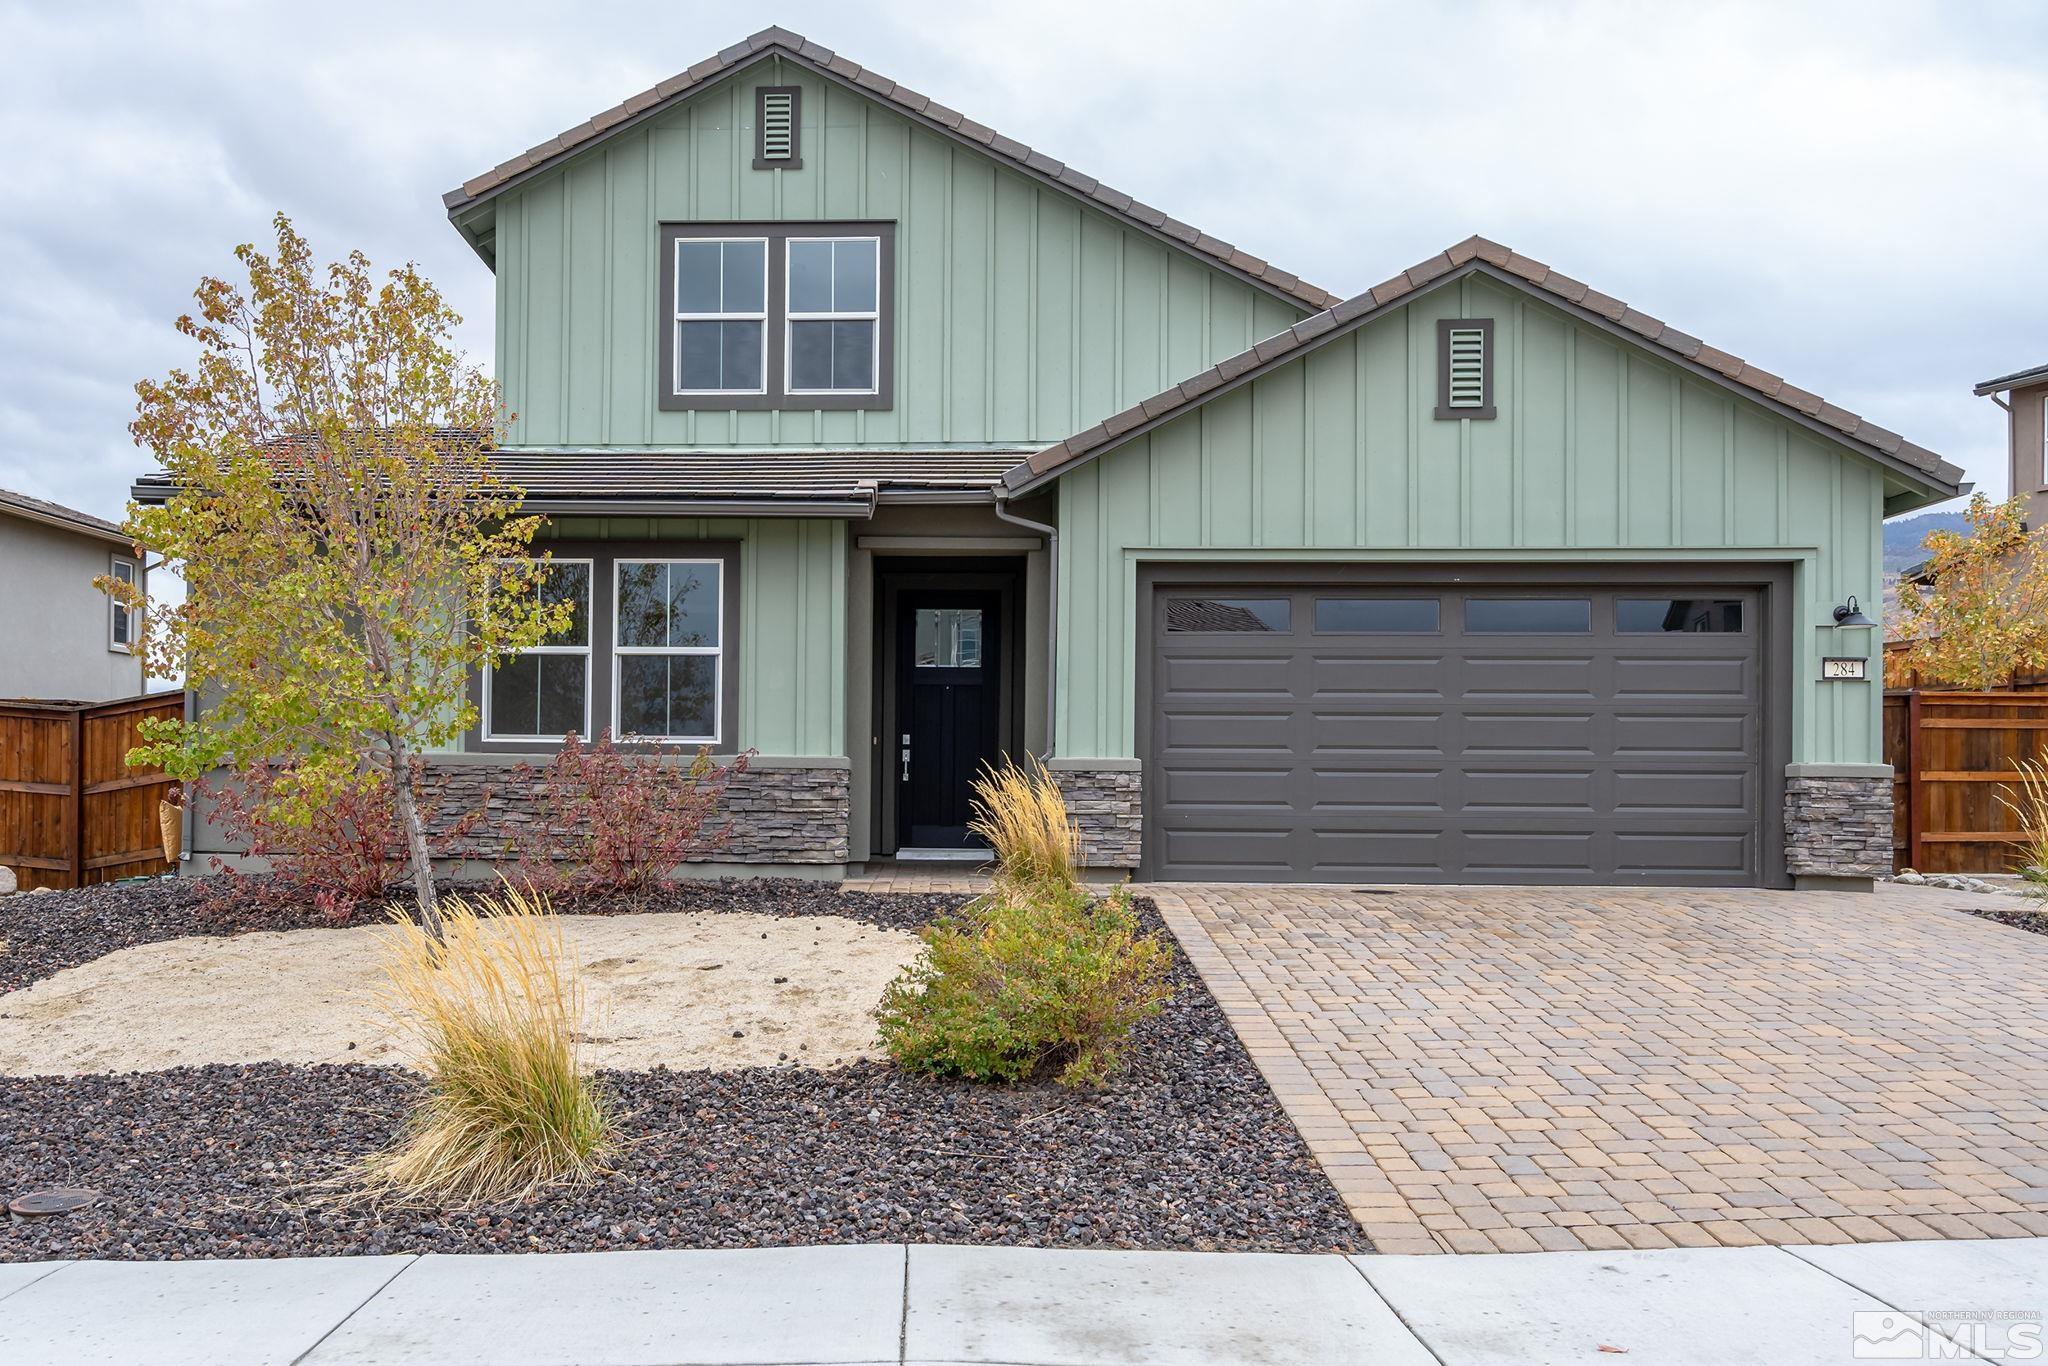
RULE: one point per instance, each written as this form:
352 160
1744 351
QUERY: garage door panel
1334 676
1724 791
1382 732
1494 789
1335 790
1390 855
1703 676
1543 751
1526 732
1673 853
1680 734
1234 731
1496 677
1224 676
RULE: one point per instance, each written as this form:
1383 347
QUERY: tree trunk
408 812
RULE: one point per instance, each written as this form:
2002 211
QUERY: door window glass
948 638
1227 615
1529 616
1375 615
1641 616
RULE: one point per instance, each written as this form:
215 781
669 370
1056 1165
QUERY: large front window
777 316
544 693
670 635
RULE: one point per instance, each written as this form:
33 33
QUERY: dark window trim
604 557
777 399
795 160
1444 411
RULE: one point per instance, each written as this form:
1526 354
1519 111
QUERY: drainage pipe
1052 611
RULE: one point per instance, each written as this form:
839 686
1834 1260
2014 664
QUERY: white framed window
120 616
544 693
720 316
832 315
668 649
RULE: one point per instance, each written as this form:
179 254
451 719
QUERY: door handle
906 758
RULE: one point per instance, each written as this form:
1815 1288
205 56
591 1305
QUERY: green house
882 445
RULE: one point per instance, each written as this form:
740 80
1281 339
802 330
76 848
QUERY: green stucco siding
792 626
1600 452
1023 316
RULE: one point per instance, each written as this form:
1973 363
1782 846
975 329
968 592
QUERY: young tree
1983 615
348 555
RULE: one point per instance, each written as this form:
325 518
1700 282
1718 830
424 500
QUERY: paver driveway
1517 1069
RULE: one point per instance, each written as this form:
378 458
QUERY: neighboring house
61 638
883 445
2024 396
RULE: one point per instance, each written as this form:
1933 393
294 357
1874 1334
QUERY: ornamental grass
1022 815
494 1010
2030 809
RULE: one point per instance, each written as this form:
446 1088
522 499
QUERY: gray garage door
1455 734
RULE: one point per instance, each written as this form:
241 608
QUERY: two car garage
1411 724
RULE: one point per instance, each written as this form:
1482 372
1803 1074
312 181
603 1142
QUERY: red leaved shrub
350 854
612 820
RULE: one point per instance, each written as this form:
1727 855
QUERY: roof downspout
1052 611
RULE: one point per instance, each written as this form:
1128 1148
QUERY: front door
949 718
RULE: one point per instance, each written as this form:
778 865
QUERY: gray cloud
1849 195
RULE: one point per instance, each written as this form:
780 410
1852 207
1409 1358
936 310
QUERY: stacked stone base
1838 825
1107 804
769 814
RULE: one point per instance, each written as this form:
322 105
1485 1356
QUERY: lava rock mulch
2034 922
1187 1148
46 932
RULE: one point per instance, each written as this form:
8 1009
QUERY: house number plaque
1835 668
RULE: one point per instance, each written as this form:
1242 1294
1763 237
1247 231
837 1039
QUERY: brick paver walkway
1508 1069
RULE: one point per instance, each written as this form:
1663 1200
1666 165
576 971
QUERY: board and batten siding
1023 316
1600 452
792 621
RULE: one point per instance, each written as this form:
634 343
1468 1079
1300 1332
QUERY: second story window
777 315
721 307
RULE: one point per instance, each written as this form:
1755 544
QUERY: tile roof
56 514
559 478
2018 379
1477 254
794 46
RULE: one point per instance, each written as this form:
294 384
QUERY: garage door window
1529 616
1214 616
1376 616
1647 616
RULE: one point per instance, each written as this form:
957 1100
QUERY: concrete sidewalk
1024 1307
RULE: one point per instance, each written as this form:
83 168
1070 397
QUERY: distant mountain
1903 537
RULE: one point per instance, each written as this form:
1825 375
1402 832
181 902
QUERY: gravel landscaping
1186 1149
2035 922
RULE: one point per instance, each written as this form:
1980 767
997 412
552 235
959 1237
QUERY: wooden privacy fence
1952 754
71 810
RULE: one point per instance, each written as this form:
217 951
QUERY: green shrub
1027 982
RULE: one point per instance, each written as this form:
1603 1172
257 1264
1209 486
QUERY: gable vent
778 125
1464 368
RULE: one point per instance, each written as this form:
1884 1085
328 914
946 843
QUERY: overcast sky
1854 196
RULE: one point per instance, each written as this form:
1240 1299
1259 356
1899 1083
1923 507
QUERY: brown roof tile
802 49
1537 276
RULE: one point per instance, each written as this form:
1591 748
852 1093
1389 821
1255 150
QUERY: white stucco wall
53 622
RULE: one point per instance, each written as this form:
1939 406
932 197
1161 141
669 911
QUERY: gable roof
2018 379
57 515
919 109
1477 255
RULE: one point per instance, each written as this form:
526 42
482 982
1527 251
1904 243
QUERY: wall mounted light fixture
1849 614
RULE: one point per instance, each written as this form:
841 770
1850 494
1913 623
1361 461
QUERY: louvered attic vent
1464 360
778 127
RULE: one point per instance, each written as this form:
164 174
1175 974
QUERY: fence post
78 797
1916 791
